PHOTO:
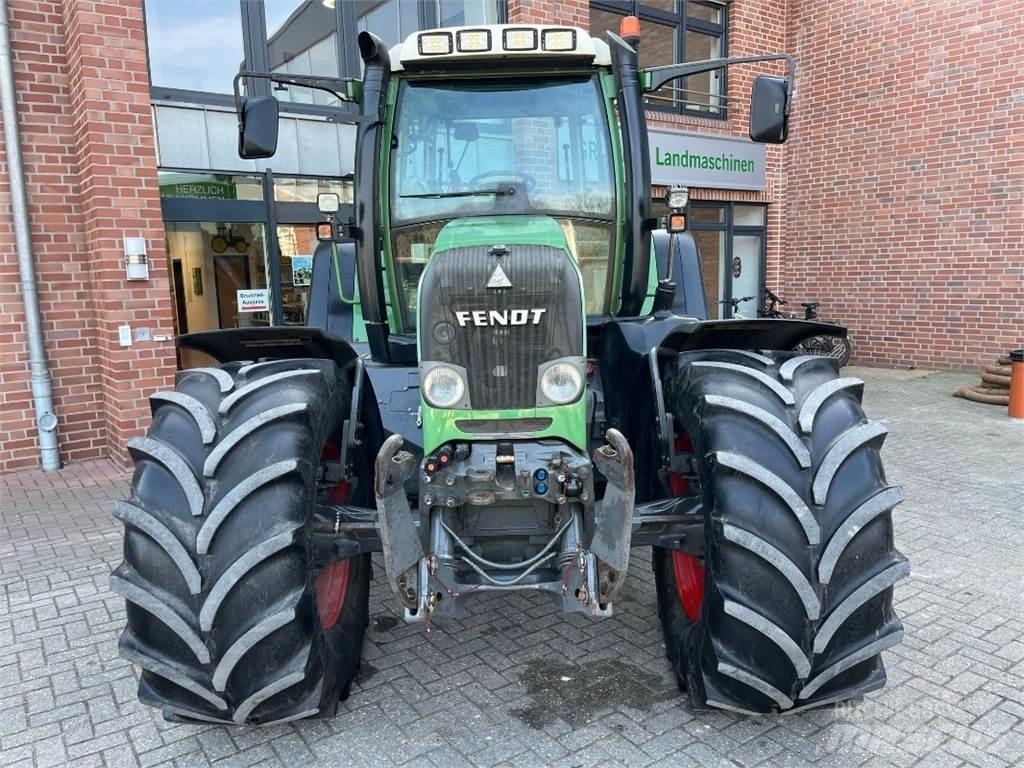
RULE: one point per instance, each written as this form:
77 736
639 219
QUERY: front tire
799 562
222 603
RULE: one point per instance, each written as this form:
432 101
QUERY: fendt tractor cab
507 380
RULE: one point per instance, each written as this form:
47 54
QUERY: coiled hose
994 388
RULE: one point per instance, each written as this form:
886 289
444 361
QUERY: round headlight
561 383
443 386
677 197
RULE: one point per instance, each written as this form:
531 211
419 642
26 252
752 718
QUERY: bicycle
736 306
841 349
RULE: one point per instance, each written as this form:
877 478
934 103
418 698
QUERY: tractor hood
500 230
500 302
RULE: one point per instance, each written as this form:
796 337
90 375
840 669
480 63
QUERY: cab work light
558 39
435 43
520 39
473 40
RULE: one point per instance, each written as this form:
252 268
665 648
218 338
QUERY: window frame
681 22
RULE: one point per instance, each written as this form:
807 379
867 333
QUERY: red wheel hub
689 575
688 570
331 586
332 581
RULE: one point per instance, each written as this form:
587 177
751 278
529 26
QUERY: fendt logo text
485 317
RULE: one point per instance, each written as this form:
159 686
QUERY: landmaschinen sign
699 160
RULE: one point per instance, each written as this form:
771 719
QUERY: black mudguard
279 342
678 333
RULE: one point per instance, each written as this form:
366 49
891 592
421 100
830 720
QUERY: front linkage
582 563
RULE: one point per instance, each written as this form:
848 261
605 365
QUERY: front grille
502 426
500 360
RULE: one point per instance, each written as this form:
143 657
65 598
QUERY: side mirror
257 127
769 123
328 203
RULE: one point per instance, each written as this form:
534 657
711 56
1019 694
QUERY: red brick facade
90 160
898 203
906 174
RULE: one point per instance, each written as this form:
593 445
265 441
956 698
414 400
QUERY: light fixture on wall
328 3
136 264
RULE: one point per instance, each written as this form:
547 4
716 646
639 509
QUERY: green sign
201 188
700 160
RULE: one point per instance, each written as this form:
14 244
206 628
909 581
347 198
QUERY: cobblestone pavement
518 684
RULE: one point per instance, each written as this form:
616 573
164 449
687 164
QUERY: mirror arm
341 88
658 76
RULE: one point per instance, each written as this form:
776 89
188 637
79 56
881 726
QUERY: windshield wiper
496 192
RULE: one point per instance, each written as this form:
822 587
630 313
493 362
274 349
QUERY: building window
394 20
463 13
391 20
672 32
194 45
302 39
305 189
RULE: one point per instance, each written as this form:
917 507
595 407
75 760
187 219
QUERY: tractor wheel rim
689 573
331 587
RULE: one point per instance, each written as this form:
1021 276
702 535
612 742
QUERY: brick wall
90 161
906 200
575 13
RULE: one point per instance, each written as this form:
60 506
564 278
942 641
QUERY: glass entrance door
745 274
219 275
218 278
240 248
731 240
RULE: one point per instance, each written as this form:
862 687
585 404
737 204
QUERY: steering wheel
526 178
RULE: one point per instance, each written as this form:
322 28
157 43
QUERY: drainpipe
42 389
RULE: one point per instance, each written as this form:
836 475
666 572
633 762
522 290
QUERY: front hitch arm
613 514
399 539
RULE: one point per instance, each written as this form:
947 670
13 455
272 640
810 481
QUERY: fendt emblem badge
486 317
498 278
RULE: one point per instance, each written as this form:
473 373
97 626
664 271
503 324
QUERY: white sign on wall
254 300
700 160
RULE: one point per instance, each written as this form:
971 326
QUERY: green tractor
507 380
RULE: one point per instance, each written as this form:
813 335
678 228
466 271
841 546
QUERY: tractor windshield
502 147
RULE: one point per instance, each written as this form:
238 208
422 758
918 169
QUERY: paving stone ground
518 684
